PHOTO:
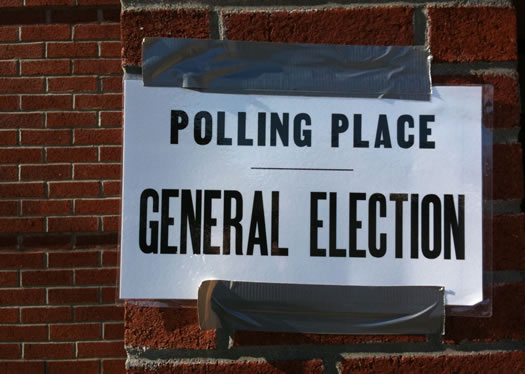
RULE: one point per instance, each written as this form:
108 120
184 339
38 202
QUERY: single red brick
112 84
72 295
49 350
506 95
96 276
8 278
21 225
72 119
97 66
45 67
71 154
507 321
98 240
170 328
98 2
364 26
111 188
10 351
40 3
46 207
46 314
47 278
501 362
111 14
464 34
73 189
97 206
8 315
509 241
111 154
22 16
22 85
110 258
22 367
8 68
20 155
21 260
114 366
21 297
105 31
72 49
99 313
21 50
8 33
9 103
100 101
272 367
111 119
75 331
110 49
21 120
101 349
114 330
10 3
111 223
19 190
47 241
181 23
47 137
45 172
47 102
8 173
77 367
45 32
98 136
68 84
73 15
110 295
9 242
8 208
72 224
73 259
97 171
508 171
8 137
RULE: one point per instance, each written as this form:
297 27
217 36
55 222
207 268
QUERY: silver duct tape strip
288 69
321 309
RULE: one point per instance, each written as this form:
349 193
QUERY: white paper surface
453 167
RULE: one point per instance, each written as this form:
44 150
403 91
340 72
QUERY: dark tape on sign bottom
321 309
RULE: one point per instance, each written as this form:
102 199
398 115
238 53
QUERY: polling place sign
311 190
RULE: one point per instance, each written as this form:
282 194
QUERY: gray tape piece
288 69
321 309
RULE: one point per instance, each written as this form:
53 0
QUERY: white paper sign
334 191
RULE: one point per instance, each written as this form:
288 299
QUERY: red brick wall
471 45
60 136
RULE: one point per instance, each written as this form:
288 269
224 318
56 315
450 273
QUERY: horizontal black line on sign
307 169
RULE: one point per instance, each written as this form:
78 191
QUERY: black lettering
153 225
209 221
276 250
399 198
425 131
372 222
261 129
414 226
332 225
193 218
257 226
339 125
179 121
167 221
358 142
402 122
241 129
302 138
456 224
383 133
315 224
221 137
230 222
425 226
354 224
279 126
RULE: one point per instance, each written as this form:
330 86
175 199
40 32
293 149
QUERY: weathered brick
170 328
8 68
73 189
98 136
46 314
20 155
364 26
72 224
8 315
112 84
46 207
97 66
72 119
111 223
72 295
8 137
97 206
8 33
8 173
21 225
111 188
25 50
8 208
45 67
181 23
77 367
21 120
98 240
464 34
114 366
9 103
71 154
72 84
99 313
10 351
21 260
40 3
19 190
95 276
110 119
72 49
73 259
105 31
20 297
47 242
8 278
114 330
45 172
47 278
47 137
509 241
101 349
98 101
45 32
49 350
47 102
22 85
97 171
110 49
508 171
75 331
